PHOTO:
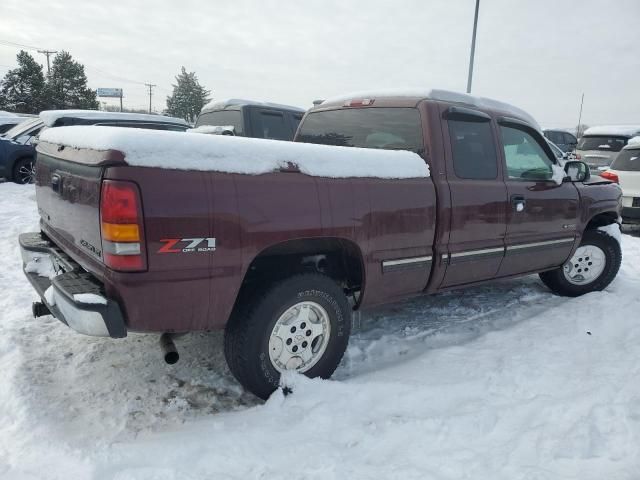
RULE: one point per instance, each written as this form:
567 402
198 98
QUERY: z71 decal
177 245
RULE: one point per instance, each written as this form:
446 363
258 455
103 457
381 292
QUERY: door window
524 156
474 152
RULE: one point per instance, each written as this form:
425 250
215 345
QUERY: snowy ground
499 382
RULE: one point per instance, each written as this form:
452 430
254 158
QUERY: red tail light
121 226
609 175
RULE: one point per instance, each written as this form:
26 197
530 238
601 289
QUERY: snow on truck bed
193 151
503 382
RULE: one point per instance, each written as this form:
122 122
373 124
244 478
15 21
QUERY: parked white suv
625 170
599 146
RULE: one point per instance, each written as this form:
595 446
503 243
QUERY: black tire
246 340
24 171
558 283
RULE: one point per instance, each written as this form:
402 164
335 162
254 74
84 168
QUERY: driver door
542 216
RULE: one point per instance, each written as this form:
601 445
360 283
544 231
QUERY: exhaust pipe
169 350
39 309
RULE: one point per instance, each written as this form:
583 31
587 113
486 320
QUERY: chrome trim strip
477 252
540 244
405 261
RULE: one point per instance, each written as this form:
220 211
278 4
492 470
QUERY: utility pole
578 132
473 47
47 53
150 85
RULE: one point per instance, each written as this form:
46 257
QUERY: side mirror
577 171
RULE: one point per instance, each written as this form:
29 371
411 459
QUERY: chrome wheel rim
27 173
299 337
585 266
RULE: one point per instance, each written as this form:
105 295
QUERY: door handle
518 202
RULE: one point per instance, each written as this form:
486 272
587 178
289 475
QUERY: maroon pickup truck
381 197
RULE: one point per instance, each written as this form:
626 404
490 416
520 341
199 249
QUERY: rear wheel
301 324
592 267
24 171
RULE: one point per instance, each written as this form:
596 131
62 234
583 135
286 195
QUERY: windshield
607 143
628 160
222 118
384 128
22 128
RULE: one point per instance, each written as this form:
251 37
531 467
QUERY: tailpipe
39 309
169 350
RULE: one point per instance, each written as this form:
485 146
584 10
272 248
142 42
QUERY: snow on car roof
633 143
251 156
622 130
440 95
222 104
49 117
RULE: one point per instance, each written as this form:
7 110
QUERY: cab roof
239 102
411 97
50 117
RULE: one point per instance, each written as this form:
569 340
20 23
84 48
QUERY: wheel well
602 219
336 258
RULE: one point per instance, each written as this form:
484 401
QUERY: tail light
121 226
578 156
609 175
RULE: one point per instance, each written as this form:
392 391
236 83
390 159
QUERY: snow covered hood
440 95
622 130
251 156
49 117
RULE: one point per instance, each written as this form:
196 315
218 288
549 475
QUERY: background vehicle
9 120
277 241
625 170
561 155
599 146
564 140
251 119
17 154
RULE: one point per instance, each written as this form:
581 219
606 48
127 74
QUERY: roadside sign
110 92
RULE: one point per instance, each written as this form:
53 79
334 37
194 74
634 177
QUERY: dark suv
17 152
564 140
248 118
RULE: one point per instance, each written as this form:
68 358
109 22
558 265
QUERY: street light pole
473 47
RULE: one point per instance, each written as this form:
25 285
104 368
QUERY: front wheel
592 267
24 171
301 324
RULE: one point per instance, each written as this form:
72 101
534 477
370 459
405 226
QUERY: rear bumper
631 214
73 296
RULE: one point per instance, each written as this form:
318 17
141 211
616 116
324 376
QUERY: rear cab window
222 118
607 143
270 124
388 128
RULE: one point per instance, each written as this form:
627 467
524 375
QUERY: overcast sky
537 54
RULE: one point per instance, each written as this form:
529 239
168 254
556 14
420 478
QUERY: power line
150 85
21 45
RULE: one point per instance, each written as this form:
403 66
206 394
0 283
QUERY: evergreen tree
188 97
22 89
67 85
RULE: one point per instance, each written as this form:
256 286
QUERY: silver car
599 146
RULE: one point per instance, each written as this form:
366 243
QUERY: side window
296 118
569 139
271 125
474 152
525 157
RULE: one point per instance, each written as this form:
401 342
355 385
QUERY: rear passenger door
542 215
478 197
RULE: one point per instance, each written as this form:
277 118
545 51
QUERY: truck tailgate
68 194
